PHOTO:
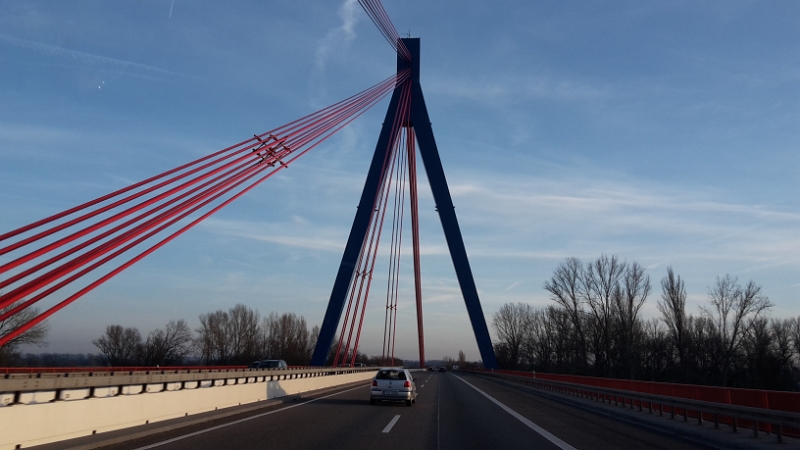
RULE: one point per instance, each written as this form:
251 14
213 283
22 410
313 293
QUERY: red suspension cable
360 286
377 14
414 204
179 193
14 295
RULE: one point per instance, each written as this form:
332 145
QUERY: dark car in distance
269 364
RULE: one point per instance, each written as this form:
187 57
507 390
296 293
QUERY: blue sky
663 132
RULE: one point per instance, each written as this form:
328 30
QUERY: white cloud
549 219
335 39
304 236
584 196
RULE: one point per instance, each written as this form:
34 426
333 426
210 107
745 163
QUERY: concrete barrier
47 416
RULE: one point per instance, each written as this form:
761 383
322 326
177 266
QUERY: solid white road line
391 424
546 434
207 430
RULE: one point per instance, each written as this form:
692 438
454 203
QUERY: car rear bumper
378 394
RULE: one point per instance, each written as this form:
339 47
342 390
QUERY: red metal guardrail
754 398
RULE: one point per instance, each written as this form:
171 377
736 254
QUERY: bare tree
462 360
35 335
231 337
510 324
702 349
313 337
212 340
168 346
654 354
121 346
544 339
782 335
244 334
731 306
635 290
673 310
559 328
566 289
287 337
793 325
602 288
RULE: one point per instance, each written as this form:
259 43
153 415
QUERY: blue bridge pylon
421 124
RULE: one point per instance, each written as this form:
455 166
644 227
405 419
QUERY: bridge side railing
25 388
736 416
38 370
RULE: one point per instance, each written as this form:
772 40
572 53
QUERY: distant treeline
239 336
594 328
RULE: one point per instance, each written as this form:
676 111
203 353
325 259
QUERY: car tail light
374 382
407 384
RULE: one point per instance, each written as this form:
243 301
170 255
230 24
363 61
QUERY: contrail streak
87 58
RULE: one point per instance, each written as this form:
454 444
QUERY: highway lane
449 414
579 428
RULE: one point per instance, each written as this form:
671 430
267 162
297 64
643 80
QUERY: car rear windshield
390 375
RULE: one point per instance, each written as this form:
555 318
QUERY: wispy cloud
16 135
516 89
517 217
334 39
553 218
589 196
80 57
343 33
310 238
302 234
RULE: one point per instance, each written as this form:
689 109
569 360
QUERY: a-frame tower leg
444 205
447 212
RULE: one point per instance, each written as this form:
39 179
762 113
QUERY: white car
393 384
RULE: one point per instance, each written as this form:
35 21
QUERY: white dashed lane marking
391 424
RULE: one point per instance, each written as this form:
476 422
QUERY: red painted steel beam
413 198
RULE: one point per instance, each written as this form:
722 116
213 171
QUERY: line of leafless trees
238 336
594 328
125 346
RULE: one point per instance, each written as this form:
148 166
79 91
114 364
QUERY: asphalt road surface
453 411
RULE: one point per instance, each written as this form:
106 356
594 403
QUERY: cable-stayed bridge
69 254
